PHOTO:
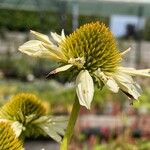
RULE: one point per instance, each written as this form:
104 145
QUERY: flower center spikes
95 43
8 140
21 107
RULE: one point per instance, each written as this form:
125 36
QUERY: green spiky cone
95 43
8 140
24 108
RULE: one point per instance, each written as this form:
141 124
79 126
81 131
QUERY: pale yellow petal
60 69
56 37
134 72
63 34
85 88
41 37
56 50
127 85
112 85
108 81
36 49
126 51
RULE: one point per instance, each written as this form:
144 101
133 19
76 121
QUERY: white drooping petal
36 49
60 69
56 50
126 51
17 128
63 34
15 125
85 88
42 37
109 82
112 85
134 72
127 85
52 126
56 37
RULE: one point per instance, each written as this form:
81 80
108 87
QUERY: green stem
72 120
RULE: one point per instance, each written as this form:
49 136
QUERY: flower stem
72 120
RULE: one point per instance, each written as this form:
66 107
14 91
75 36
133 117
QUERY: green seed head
95 43
8 140
24 108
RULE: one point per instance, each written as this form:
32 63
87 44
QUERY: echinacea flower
92 53
8 139
27 116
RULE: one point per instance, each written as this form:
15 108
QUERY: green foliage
27 20
21 66
146 32
143 100
8 140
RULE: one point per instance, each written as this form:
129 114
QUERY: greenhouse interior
74 75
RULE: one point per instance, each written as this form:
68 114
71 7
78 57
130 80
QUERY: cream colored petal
134 72
56 37
126 51
41 37
109 82
60 69
15 125
17 128
127 85
85 88
112 85
56 50
36 49
63 34
52 126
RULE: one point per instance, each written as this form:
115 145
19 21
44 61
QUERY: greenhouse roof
85 7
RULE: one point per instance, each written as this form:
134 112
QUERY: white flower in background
91 53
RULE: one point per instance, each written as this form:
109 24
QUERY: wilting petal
52 126
17 127
36 49
134 72
63 34
56 50
126 51
85 88
60 69
56 37
109 82
127 85
112 85
41 37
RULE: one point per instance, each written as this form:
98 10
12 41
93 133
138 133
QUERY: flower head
8 139
92 53
27 115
